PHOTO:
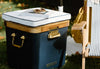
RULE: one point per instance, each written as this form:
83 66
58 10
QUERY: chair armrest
79 26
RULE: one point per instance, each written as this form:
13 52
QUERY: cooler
36 41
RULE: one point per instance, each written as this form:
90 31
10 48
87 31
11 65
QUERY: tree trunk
0 27
1 1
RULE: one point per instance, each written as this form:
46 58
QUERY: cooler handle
54 33
13 38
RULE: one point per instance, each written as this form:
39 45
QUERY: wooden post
2 0
0 27
1 37
85 35
10 0
83 57
88 38
85 42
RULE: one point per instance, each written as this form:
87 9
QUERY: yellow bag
77 31
79 24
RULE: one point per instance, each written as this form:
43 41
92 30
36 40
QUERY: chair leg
83 61
83 57
85 42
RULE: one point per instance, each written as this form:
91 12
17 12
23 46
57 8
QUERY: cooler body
38 52
36 40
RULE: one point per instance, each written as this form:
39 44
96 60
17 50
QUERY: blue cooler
36 40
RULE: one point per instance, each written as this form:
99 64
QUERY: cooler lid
29 18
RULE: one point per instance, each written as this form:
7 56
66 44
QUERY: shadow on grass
75 62
72 62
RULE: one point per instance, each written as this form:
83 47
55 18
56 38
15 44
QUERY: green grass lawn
72 62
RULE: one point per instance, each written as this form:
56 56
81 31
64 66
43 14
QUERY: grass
72 62
3 62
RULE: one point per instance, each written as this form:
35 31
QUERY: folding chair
88 32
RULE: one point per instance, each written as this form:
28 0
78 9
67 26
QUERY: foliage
6 7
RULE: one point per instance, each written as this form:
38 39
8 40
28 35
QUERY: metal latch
54 34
